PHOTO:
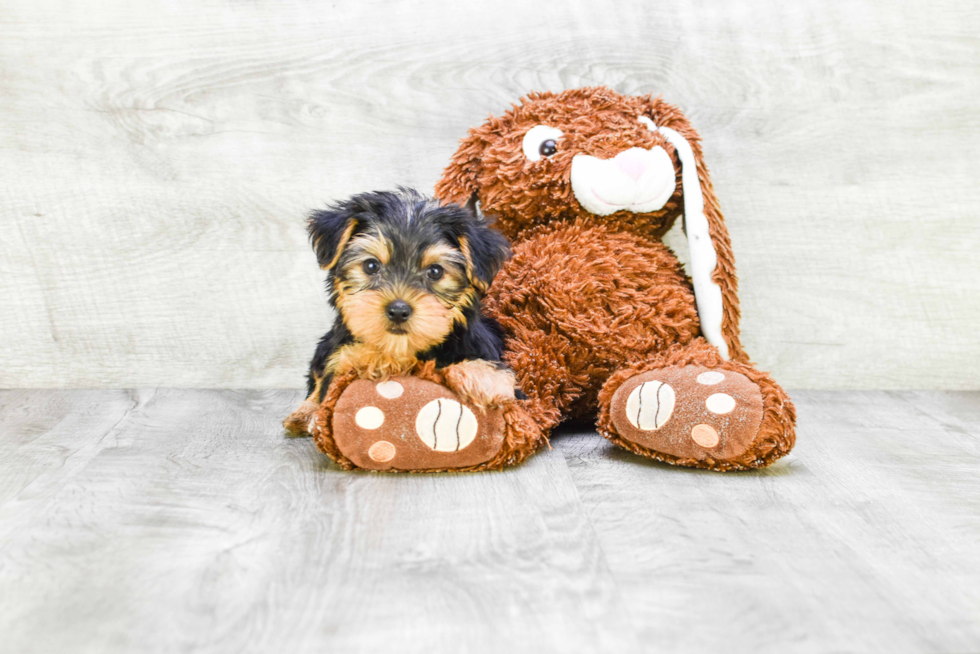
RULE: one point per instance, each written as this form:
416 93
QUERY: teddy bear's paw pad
406 423
689 412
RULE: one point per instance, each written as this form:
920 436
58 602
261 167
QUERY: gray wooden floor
175 520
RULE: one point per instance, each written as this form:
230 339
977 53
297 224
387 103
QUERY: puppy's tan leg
481 383
298 422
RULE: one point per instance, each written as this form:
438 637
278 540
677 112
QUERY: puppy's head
403 268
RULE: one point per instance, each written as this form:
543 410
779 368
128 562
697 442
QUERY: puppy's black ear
486 250
329 230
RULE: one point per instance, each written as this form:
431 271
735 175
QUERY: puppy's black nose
399 311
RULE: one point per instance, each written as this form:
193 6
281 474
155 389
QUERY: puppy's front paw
481 383
298 423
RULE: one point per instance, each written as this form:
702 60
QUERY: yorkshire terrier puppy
405 276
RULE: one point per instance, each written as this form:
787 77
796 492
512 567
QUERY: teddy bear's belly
613 297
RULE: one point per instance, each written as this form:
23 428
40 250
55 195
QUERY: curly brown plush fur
590 301
521 194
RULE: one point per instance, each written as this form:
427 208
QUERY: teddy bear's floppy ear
712 263
458 183
329 231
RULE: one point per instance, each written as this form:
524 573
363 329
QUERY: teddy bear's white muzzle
636 180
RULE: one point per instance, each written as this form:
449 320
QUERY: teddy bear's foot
410 424
696 416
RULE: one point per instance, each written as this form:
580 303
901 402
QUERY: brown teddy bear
598 313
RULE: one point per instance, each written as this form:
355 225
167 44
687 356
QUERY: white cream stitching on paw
650 405
705 435
382 452
390 389
720 403
369 417
446 425
711 378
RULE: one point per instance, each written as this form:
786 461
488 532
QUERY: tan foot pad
407 423
689 412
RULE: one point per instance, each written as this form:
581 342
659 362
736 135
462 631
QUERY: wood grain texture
862 540
158 158
186 521
177 520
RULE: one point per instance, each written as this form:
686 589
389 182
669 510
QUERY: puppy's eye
541 141
371 267
435 272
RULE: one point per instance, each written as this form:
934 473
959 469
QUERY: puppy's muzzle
399 311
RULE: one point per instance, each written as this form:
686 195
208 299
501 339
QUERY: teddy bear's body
599 313
581 300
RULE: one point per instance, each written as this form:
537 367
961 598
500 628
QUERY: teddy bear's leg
550 369
417 424
690 407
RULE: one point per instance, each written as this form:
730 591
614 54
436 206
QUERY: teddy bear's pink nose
633 162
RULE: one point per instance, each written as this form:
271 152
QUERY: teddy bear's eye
541 141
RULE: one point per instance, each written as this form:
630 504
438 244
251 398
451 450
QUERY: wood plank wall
157 159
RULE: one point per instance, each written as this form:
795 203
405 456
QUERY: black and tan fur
439 259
